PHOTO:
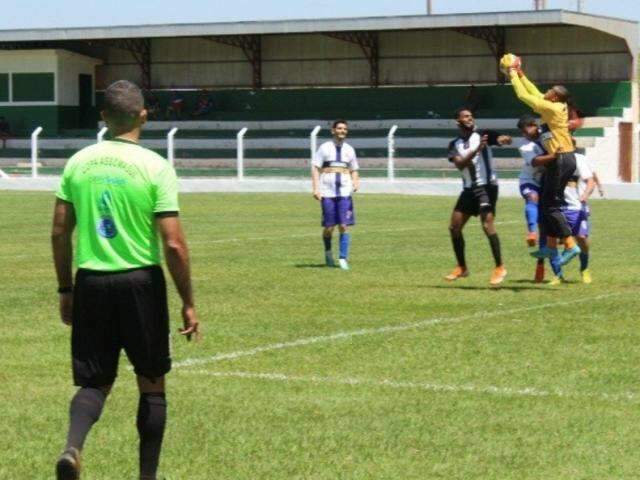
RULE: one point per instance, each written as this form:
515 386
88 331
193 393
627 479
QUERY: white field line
249 239
429 387
374 331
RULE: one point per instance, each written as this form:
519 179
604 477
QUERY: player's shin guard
494 241
531 213
345 243
85 410
152 416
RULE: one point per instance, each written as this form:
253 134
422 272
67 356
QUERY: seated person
176 105
153 106
204 105
5 131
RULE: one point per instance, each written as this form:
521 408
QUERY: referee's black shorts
114 311
475 200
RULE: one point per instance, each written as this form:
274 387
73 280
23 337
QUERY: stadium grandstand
281 79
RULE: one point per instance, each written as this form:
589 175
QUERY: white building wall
69 67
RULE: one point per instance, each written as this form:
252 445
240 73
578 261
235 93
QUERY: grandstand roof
617 27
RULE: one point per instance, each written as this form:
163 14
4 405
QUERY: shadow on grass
310 265
512 288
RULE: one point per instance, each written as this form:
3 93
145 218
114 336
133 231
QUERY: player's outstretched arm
64 221
176 254
542 160
462 162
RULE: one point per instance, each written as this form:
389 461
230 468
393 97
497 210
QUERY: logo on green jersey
106 226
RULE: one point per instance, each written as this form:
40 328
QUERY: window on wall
33 87
4 87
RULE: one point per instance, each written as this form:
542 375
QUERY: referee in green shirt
120 196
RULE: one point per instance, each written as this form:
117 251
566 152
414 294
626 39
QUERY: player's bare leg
458 221
152 416
489 228
84 411
327 235
344 247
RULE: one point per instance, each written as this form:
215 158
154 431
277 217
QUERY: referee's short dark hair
526 120
338 122
123 102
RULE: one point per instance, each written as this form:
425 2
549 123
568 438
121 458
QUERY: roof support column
369 42
496 40
251 45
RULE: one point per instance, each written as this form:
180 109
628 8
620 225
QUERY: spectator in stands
176 105
153 106
204 105
5 131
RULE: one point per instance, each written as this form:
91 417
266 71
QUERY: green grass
491 390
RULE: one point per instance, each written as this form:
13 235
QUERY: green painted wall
367 103
51 118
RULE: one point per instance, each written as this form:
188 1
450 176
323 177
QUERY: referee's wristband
65 289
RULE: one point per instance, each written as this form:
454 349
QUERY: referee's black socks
85 410
152 416
494 241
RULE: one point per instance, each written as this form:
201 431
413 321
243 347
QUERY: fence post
240 153
170 145
391 150
101 134
314 143
34 152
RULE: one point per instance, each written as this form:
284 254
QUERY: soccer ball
509 60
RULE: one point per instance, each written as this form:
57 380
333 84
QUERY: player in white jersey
531 182
471 153
335 178
577 212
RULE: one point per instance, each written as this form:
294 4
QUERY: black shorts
114 311
473 201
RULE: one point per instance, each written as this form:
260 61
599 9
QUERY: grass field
384 372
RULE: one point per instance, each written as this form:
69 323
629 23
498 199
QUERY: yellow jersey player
557 141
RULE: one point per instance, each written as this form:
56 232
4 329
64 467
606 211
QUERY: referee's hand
66 307
191 324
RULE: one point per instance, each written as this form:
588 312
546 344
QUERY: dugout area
281 78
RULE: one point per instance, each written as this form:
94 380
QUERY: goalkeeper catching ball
560 163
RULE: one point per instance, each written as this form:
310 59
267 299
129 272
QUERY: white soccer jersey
530 174
482 170
330 155
578 183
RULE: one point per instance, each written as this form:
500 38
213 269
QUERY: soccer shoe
328 260
457 273
569 254
68 465
556 280
539 277
532 239
344 265
497 277
586 277
544 252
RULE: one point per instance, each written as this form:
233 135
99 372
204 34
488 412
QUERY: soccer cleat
569 254
68 465
586 277
344 265
328 259
539 277
458 272
544 252
556 280
497 277
532 239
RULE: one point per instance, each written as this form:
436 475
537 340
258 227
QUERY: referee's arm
64 221
176 254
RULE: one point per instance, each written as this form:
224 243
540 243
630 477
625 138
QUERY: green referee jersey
117 188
